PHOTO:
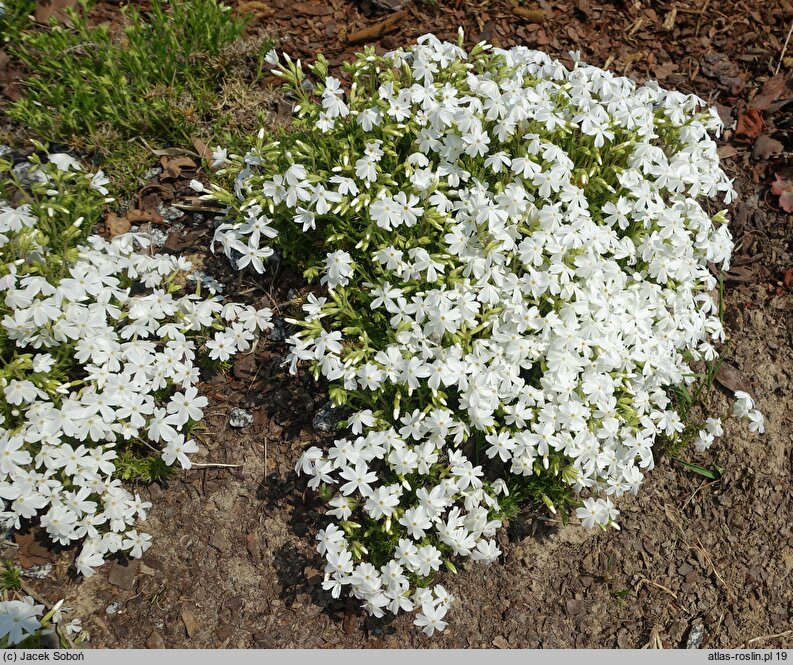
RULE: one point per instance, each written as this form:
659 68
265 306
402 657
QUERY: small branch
214 465
699 19
769 637
784 49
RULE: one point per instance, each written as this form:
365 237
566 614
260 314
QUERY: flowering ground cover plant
101 351
515 257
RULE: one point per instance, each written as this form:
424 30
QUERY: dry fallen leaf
731 378
138 215
775 88
202 149
172 167
750 125
116 225
190 624
312 9
30 551
783 188
46 9
765 147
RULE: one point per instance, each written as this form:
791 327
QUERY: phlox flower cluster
100 350
515 257
19 620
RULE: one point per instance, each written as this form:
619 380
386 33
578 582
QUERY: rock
327 419
155 641
113 608
218 542
685 569
37 572
122 575
169 213
190 624
239 418
26 173
695 634
501 642
278 332
574 607
152 173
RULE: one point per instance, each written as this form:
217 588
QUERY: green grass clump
9 577
160 81
14 18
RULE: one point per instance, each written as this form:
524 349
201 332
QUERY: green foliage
14 18
159 81
141 467
9 577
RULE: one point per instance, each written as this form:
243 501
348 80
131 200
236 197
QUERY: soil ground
233 562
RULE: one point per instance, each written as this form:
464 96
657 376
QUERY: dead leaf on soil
787 279
312 9
30 552
255 8
783 188
190 624
46 9
750 125
142 215
777 87
178 242
116 225
202 149
533 15
765 147
727 151
731 378
377 30
172 167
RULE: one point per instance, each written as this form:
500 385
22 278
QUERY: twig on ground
214 465
696 491
784 49
699 18
265 460
648 582
655 639
761 638
709 561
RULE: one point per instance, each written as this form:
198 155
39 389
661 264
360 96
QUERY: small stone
695 635
152 173
685 569
155 641
37 572
25 173
169 213
574 607
122 575
501 642
239 418
217 541
278 332
113 608
156 236
329 417
190 624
